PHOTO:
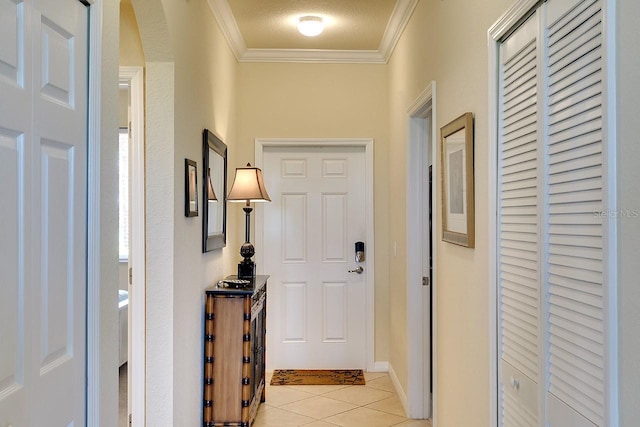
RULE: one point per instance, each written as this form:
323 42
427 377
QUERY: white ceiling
363 31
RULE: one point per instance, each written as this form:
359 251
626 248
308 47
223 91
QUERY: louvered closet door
551 234
575 392
519 272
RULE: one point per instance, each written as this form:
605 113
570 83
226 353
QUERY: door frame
367 143
419 403
137 250
97 367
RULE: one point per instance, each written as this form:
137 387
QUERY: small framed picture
457 182
191 188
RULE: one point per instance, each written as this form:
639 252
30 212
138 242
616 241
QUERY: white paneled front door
317 308
43 174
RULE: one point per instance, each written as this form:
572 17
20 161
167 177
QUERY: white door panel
317 308
43 138
12 272
15 137
12 53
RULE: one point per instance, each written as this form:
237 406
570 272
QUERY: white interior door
43 174
317 308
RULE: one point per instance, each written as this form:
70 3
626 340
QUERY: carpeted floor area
318 377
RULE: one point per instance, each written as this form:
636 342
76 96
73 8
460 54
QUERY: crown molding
313 55
396 25
399 19
516 12
222 12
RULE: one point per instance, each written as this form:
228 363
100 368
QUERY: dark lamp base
246 270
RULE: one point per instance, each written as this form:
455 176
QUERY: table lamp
247 187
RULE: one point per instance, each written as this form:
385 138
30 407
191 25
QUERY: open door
43 188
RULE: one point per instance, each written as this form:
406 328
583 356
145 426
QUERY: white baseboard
399 390
380 367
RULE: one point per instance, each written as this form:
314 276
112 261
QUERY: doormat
318 377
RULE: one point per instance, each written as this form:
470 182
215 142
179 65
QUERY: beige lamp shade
248 186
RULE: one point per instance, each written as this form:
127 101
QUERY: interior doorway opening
133 267
421 255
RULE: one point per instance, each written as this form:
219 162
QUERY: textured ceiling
349 24
355 30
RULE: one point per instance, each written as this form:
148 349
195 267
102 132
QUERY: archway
152 297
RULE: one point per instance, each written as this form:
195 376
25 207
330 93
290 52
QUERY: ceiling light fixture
310 26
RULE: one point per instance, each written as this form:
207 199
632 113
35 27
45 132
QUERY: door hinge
130 276
129 419
425 281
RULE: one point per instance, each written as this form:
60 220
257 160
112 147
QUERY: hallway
372 405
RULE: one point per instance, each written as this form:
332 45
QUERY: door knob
358 270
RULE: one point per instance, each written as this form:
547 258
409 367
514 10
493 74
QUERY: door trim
137 249
418 399
95 315
367 143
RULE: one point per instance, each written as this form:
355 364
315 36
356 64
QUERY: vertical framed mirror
214 206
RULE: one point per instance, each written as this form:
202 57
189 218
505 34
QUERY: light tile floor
372 405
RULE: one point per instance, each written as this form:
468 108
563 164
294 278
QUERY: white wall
107 357
123 122
628 107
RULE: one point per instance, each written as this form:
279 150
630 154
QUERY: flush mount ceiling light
310 26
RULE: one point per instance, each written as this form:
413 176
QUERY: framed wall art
190 188
458 216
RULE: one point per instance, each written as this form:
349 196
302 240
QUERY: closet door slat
518 253
573 290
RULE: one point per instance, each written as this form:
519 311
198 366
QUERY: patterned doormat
318 377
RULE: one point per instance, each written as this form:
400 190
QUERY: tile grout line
391 396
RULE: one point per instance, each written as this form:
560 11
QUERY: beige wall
322 101
446 41
189 85
204 97
131 53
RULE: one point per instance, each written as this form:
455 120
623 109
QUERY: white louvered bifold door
574 288
518 220
551 177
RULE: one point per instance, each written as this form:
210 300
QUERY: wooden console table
234 353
